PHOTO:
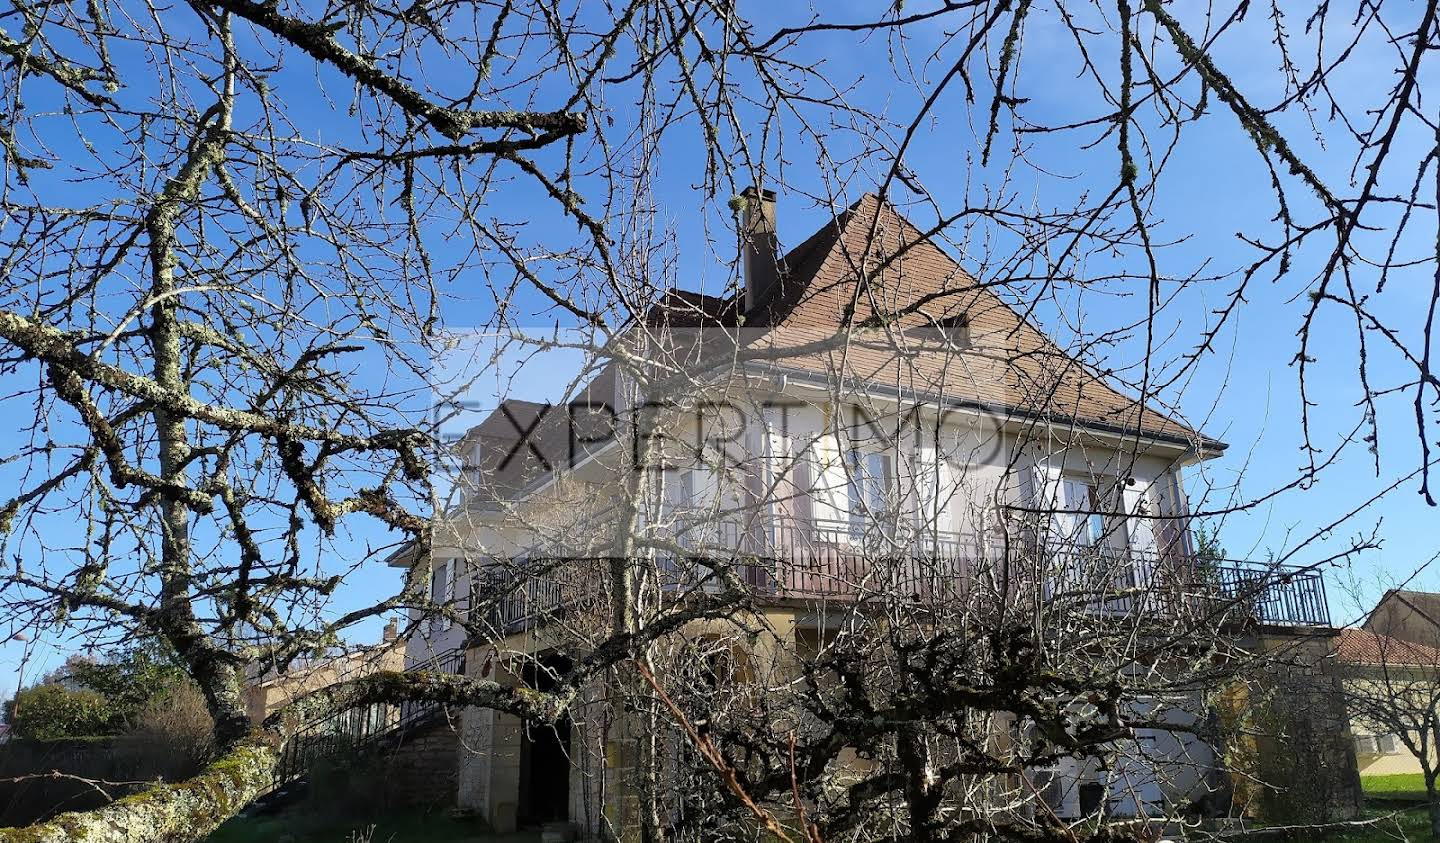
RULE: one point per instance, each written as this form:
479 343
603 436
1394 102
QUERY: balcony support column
489 763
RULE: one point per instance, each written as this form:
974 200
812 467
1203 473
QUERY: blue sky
1214 188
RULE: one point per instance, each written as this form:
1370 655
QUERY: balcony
853 561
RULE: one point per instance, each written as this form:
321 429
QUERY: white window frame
859 475
438 625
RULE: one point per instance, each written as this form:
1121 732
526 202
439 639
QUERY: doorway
544 753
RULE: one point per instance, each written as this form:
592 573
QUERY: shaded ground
1395 822
1405 823
299 826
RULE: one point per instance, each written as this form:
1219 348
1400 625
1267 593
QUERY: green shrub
52 712
129 679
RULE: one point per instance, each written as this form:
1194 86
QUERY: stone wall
489 775
421 770
415 770
1294 760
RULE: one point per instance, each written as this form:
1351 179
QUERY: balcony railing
817 559
1274 594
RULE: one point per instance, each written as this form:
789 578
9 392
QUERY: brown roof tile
908 283
1361 646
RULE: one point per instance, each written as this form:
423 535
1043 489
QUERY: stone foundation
1297 762
421 770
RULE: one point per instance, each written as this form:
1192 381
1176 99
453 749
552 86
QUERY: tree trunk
184 811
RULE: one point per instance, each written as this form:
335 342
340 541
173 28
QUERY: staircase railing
357 728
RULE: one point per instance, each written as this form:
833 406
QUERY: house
1393 686
268 689
1412 616
939 435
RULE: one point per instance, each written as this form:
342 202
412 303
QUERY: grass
1411 824
413 827
1397 823
1403 786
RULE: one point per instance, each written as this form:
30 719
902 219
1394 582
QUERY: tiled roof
509 466
1361 646
1010 366
1010 363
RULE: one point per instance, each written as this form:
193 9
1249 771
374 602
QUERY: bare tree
235 232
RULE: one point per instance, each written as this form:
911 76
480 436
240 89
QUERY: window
1081 517
869 492
682 491
680 495
1377 744
951 331
442 592
788 477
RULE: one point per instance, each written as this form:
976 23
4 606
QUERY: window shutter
1045 491
1141 530
451 598
804 486
462 584
1170 535
933 490
436 596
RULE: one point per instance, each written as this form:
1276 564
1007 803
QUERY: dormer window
951 331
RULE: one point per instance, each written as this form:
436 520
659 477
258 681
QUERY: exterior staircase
362 729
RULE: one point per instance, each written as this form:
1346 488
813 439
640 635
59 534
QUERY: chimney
759 247
392 631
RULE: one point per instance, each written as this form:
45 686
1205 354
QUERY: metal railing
837 559
1273 594
538 591
358 728
1124 580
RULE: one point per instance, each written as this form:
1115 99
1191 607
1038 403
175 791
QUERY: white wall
951 481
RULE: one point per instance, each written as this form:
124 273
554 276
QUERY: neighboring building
1412 616
268 689
1391 669
1389 684
1016 420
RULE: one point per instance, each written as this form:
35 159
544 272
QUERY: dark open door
545 755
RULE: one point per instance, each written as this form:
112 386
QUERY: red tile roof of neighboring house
1361 646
